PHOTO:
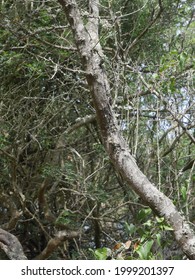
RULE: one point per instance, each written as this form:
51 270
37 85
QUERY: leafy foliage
55 174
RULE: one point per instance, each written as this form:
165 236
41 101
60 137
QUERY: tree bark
88 45
10 244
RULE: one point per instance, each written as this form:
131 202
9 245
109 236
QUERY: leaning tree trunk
88 44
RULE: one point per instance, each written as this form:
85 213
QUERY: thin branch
178 120
55 242
136 40
170 149
81 122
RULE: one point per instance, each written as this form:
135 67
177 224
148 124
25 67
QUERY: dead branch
53 243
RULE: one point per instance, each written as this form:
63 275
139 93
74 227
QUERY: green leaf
145 250
130 228
102 253
182 60
158 239
148 223
172 84
160 219
184 193
143 213
166 227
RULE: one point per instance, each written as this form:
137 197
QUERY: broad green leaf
145 250
102 253
131 228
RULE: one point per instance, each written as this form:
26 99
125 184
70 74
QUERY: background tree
56 178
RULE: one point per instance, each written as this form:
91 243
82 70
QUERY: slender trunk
88 44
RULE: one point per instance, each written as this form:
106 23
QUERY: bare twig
136 40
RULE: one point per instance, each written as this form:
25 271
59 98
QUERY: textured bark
11 246
87 41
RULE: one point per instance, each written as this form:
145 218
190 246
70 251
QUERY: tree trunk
88 44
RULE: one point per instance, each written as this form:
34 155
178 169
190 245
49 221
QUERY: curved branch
10 244
136 40
53 243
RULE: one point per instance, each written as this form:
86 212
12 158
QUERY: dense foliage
55 174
